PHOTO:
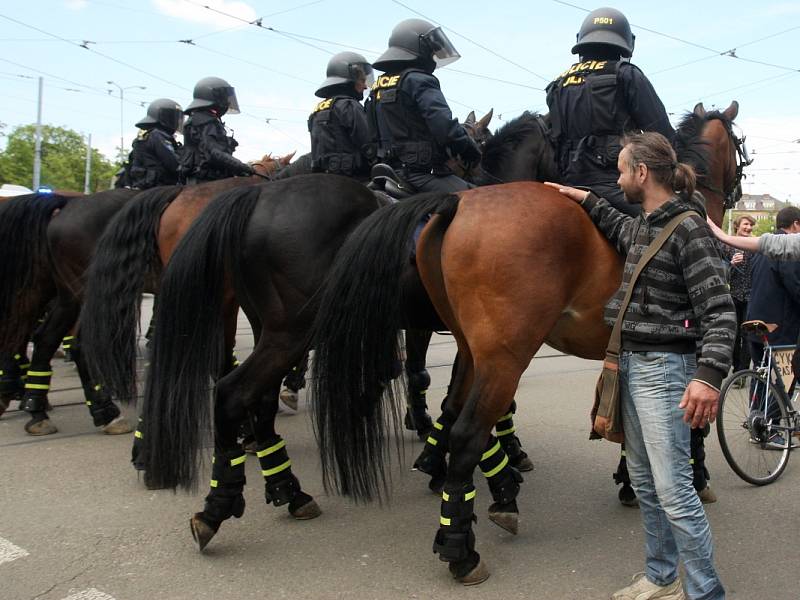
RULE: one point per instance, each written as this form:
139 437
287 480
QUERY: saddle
387 185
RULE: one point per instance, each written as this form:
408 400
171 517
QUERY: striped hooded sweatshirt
681 302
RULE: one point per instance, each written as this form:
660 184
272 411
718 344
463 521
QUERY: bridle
733 193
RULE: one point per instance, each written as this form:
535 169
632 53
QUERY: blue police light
44 189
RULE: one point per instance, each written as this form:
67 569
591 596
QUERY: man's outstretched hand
570 192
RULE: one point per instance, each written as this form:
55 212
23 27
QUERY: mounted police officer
338 126
208 150
598 99
154 158
413 127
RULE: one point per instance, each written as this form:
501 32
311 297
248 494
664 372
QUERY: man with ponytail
677 345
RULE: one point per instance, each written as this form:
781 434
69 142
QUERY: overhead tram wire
85 46
730 53
471 41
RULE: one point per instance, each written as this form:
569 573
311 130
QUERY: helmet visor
444 53
171 118
358 70
226 97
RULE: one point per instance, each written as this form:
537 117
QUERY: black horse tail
188 346
23 250
125 255
356 350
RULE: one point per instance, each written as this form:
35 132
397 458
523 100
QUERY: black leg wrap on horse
700 474
296 379
621 475
67 343
503 479
455 540
101 407
431 460
137 450
225 500
505 431
13 372
280 484
37 385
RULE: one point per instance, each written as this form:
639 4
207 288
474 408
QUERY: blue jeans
658 448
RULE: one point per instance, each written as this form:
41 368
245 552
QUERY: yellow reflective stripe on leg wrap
40 373
437 425
138 434
37 386
271 449
691 461
17 356
491 451
432 441
278 469
502 432
497 469
214 483
88 403
506 417
238 460
444 521
468 496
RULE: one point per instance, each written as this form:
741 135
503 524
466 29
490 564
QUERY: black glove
471 154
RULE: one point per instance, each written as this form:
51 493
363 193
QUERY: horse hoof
201 531
309 510
478 575
524 464
707 495
43 427
505 519
289 398
118 426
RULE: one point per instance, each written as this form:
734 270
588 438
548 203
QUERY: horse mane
690 147
509 136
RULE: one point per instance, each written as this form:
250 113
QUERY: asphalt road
76 523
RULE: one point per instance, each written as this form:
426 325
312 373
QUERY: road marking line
9 551
90 594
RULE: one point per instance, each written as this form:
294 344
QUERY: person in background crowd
740 281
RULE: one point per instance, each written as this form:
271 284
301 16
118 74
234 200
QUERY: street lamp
121 114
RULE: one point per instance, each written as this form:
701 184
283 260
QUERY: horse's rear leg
417 417
13 372
471 443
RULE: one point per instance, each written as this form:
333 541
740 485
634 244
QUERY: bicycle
757 423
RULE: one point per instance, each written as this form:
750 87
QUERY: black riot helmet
214 92
605 27
417 41
344 70
164 112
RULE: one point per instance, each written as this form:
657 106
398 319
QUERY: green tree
63 160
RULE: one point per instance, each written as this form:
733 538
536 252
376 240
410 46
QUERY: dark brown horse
507 268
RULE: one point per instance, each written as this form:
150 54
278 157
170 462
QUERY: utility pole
122 115
88 175
37 144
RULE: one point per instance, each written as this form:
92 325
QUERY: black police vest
398 129
588 115
146 170
195 158
332 150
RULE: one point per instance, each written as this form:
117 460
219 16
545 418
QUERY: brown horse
508 268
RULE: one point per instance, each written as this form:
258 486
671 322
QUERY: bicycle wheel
746 434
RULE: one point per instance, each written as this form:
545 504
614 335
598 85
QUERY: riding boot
626 494
417 417
433 459
280 484
700 474
513 448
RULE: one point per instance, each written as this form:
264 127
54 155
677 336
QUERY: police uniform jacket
591 105
207 153
413 125
154 159
339 136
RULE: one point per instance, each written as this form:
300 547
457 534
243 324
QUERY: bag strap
615 341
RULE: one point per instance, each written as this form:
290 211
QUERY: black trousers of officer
424 181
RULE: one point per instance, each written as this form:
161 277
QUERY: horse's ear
485 120
285 160
699 110
731 112
470 118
